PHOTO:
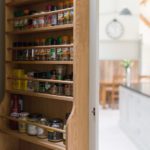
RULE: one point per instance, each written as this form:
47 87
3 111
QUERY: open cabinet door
94 75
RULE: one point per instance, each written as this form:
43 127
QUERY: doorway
124 33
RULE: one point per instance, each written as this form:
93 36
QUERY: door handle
94 111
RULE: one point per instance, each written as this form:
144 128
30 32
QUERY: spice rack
50 105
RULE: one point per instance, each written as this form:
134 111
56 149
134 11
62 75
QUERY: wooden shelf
41 62
36 124
41 47
40 14
23 2
41 95
44 29
42 80
42 142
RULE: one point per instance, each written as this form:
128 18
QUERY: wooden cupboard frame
78 122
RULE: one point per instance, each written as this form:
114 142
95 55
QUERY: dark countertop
141 88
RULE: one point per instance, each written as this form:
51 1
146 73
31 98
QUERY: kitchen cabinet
134 116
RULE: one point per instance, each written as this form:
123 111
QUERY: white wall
128 46
145 31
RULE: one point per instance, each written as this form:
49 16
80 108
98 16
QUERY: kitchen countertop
141 88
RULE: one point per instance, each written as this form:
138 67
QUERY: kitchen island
135 113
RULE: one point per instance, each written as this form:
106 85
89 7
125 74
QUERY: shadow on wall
2 47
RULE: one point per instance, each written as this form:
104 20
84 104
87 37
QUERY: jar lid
56 120
35 116
24 114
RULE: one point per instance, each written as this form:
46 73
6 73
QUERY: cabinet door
145 122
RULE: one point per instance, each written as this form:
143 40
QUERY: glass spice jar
60 18
53 75
35 23
70 3
49 7
42 87
41 22
59 40
59 53
52 54
55 136
47 20
65 39
71 53
71 14
60 89
54 19
66 4
23 125
47 87
32 129
42 133
53 89
65 54
60 5
68 90
66 17
60 70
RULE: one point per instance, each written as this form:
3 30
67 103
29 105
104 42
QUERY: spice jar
59 53
71 16
60 5
70 3
60 70
49 7
42 133
32 129
42 87
47 20
65 54
35 23
55 136
23 125
53 89
60 89
54 19
59 40
71 53
41 22
53 74
65 39
60 18
66 17
66 4
68 90
52 54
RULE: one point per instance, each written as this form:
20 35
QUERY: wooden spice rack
51 106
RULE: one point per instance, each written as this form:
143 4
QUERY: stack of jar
17 83
45 54
43 87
